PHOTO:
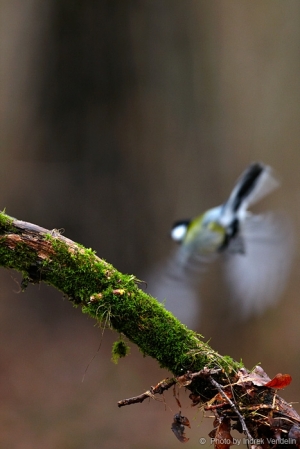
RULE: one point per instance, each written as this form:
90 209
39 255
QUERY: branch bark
115 299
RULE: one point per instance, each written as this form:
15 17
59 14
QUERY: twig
158 389
189 376
232 405
183 380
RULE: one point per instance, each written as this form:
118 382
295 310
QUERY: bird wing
257 181
175 282
266 183
257 278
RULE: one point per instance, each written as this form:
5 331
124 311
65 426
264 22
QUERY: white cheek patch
179 232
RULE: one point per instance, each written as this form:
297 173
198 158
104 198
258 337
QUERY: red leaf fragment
279 381
259 378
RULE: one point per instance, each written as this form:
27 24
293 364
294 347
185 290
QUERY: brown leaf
257 377
196 399
213 432
220 398
175 396
178 427
279 381
286 409
294 434
222 437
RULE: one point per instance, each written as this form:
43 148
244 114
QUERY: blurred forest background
117 118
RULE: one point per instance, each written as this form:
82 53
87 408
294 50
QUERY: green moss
6 223
20 256
73 272
120 349
111 297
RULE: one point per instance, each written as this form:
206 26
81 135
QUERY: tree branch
111 297
105 294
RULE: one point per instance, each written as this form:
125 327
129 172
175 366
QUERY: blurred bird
256 249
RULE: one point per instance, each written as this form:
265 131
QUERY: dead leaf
196 399
220 398
286 409
176 397
257 377
294 434
279 381
178 427
221 435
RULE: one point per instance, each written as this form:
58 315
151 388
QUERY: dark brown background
116 119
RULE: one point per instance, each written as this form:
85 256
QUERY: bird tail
257 181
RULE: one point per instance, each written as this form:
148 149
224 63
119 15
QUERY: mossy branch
105 294
115 299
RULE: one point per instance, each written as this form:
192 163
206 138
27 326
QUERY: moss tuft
120 349
6 222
